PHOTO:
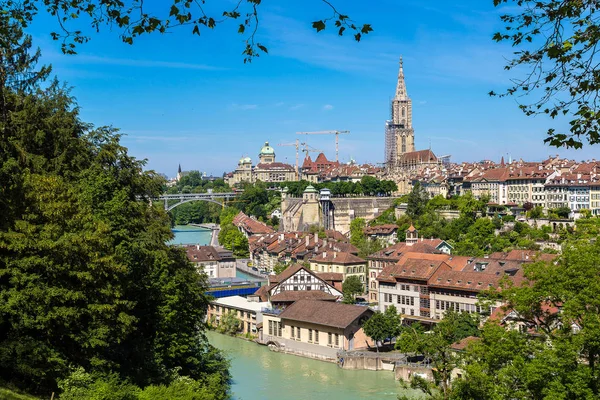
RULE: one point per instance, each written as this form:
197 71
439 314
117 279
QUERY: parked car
254 269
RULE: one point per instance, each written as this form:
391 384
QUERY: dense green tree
435 345
376 328
383 326
351 287
416 201
229 323
561 307
86 277
357 234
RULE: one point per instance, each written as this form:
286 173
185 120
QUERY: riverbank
214 228
259 373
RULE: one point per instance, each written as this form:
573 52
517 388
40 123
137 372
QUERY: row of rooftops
461 272
251 225
303 245
553 171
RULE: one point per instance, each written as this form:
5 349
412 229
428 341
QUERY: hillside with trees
91 297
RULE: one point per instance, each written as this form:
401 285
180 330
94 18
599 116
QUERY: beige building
313 324
249 313
344 263
267 169
392 254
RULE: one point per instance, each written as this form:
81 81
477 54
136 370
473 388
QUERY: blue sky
180 98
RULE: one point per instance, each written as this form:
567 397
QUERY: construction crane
297 146
336 133
309 149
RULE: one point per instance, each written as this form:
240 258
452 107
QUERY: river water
187 234
259 374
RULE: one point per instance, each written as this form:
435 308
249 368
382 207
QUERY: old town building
267 169
214 262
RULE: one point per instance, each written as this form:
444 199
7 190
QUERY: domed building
267 169
266 155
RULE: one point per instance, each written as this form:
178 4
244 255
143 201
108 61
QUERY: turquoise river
259 373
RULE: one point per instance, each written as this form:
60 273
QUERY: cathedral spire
179 169
401 85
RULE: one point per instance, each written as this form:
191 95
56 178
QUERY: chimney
316 237
197 247
324 254
281 237
334 254
307 240
325 242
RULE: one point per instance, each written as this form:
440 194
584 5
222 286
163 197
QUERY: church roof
419 155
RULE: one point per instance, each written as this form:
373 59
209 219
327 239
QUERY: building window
316 336
295 287
293 331
329 338
298 333
279 329
337 340
310 335
412 312
270 327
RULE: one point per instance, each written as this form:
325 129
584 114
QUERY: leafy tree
357 234
536 212
556 42
86 277
134 20
558 361
351 287
376 328
436 347
229 323
417 201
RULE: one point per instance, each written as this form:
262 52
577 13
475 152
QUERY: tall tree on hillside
86 279
416 201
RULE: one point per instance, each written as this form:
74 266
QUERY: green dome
267 150
310 189
245 160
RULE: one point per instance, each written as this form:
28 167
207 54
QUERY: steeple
179 169
401 85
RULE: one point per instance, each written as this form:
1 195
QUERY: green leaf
318 25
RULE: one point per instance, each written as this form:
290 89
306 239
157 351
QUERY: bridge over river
217 198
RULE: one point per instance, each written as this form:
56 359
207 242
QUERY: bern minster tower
399 133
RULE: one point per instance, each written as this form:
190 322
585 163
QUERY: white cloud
296 107
327 107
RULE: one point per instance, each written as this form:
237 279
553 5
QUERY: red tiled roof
275 166
462 344
420 155
331 276
251 225
386 229
325 313
419 266
396 251
335 257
